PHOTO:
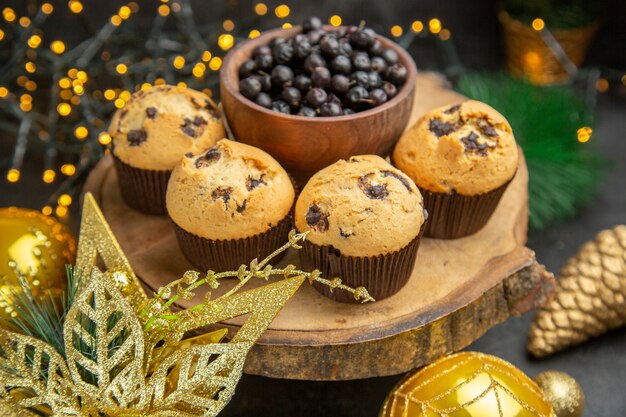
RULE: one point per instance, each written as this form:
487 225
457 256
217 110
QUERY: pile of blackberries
322 72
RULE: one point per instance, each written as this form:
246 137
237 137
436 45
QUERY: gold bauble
34 248
467 384
563 392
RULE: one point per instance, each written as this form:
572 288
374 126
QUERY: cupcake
229 204
152 132
364 219
462 158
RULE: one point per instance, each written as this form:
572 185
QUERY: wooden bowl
304 145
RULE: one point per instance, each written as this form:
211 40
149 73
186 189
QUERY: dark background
599 365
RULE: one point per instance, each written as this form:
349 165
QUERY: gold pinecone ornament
590 297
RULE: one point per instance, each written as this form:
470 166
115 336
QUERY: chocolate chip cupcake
364 219
152 132
229 204
462 158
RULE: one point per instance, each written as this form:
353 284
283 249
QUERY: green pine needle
563 172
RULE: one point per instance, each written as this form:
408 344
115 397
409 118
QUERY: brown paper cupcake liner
229 254
382 275
142 189
452 216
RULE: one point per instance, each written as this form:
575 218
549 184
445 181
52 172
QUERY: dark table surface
599 365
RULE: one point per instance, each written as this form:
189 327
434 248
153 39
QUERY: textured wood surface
459 288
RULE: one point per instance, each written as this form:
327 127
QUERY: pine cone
590 296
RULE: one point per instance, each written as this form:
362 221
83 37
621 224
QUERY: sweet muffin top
229 191
158 126
468 148
362 206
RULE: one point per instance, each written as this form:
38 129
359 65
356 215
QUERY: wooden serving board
458 290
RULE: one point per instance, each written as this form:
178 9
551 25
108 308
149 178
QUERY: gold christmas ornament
467 384
562 392
122 352
34 249
590 296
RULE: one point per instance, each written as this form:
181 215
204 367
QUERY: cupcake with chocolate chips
364 219
462 158
229 204
152 132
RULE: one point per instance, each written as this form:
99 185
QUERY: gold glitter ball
563 392
467 384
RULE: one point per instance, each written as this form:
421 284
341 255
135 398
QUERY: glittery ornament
467 384
34 249
123 353
562 392
590 297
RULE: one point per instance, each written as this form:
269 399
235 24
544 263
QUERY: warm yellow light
538 24
226 41
26 98
109 94
260 9
125 95
532 61
64 200
624 79
34 41
72 72
119 103
24 21
68 169
602 85
104 138
198 70
181 84
584 134
396 31
417 26
124 12
46 210
146 86
58 47
215 63
228 25
31 85
78 89
47 8
26 106
164 10
179 62
335 20
282 11
82 76
75 6
13 175
21 80
159 81
65 83
121 68
64 109
1 34
254 34
8 14
75 100
206 56
30 67
65 94
445 34
61 211
287 26
81 132
3 92
48 176
434 25
116 20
